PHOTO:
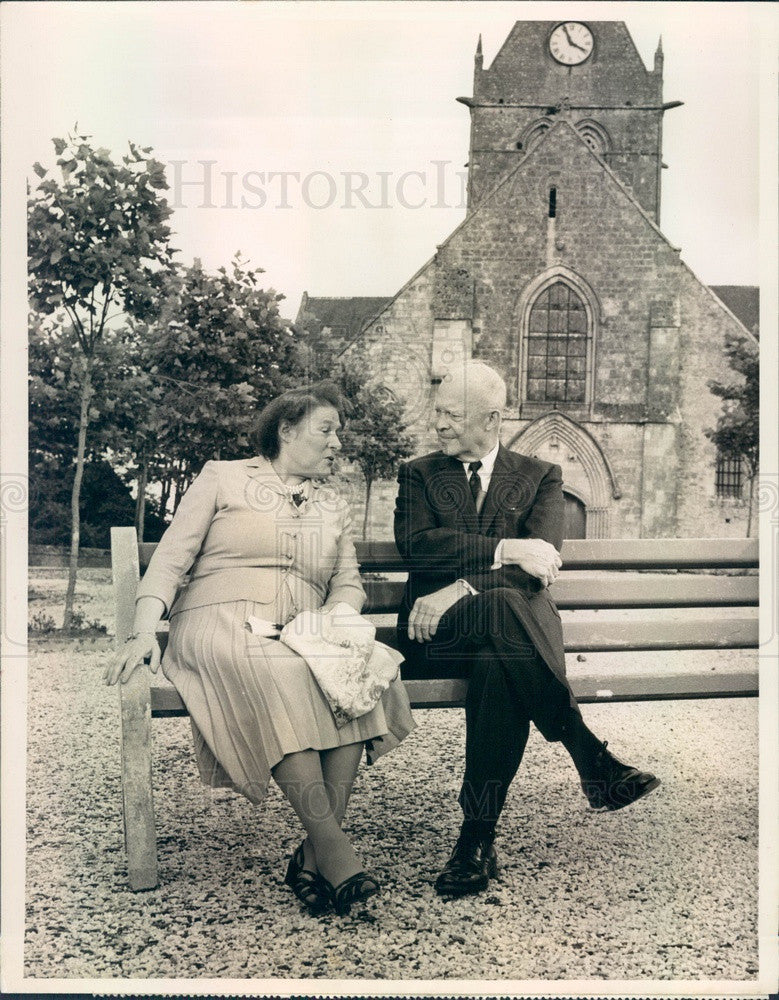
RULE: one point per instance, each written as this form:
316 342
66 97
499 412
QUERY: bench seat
653 586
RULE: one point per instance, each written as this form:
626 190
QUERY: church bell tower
590 72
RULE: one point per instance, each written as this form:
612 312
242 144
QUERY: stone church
560 277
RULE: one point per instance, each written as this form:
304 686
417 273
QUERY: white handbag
352 669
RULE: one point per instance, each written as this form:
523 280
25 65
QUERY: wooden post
135 710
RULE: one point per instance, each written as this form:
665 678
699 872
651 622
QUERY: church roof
743 301
344 316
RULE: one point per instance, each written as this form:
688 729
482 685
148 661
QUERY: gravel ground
664 890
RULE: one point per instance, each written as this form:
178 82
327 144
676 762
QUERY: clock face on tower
571 43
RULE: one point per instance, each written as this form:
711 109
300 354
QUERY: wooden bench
650 577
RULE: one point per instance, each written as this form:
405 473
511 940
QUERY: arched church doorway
575 518
588 479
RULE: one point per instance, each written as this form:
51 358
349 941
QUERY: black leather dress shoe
472 864
615 784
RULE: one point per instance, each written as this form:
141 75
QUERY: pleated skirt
253 700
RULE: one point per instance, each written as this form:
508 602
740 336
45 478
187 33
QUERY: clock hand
572 42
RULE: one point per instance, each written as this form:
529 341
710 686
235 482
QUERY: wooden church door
575 525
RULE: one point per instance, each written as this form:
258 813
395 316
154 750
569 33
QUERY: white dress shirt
487 465
485 476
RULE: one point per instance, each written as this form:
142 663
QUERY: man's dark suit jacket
441 537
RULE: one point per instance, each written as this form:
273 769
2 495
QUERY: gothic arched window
557 342
595 135
533 133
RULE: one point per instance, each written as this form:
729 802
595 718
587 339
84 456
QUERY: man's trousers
482 637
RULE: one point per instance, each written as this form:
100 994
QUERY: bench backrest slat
660 553
736 632
610 553
580 591
601 553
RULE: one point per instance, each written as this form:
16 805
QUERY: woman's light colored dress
251 551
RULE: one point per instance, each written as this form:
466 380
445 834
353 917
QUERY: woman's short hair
291 407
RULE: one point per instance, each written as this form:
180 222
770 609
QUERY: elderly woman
266 538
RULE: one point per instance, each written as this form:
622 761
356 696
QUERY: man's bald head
468 405
480 385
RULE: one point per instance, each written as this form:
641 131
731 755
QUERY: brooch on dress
297 494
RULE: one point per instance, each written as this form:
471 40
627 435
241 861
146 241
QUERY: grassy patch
94 603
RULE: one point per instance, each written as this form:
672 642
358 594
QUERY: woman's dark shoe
355 889
309 887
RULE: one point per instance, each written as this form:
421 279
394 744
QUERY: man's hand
427 611
534 556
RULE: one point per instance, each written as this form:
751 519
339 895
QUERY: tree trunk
75 497
368 485
751 504
165 497
177 491
140 503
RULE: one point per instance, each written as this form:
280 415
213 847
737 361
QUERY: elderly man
480 529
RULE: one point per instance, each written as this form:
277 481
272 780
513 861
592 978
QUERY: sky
320 90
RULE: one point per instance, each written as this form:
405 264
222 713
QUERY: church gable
570 289
559 242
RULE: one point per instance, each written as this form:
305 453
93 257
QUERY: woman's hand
127 658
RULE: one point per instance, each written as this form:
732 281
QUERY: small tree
737 434
376 437
97 239
219 352
54 392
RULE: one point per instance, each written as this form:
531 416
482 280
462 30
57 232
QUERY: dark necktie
298 498
474 482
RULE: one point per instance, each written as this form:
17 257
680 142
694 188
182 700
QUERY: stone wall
706 326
